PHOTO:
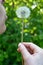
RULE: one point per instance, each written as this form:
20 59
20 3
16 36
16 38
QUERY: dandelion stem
22 38
22 31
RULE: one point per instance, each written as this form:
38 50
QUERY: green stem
22 38
22 31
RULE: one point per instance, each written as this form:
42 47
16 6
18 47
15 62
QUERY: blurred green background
33 30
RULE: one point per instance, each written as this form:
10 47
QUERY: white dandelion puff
23 12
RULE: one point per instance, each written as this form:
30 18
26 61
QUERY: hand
32 54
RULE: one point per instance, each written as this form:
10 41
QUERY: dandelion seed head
23 12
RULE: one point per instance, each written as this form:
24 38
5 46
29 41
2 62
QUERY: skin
3 18
32 54
0 1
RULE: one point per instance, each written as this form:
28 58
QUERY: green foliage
33 30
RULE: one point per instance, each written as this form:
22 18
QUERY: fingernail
19 44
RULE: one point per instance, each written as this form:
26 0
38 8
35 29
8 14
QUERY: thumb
24 51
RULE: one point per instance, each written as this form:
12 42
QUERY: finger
29 50
24 51
32 47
